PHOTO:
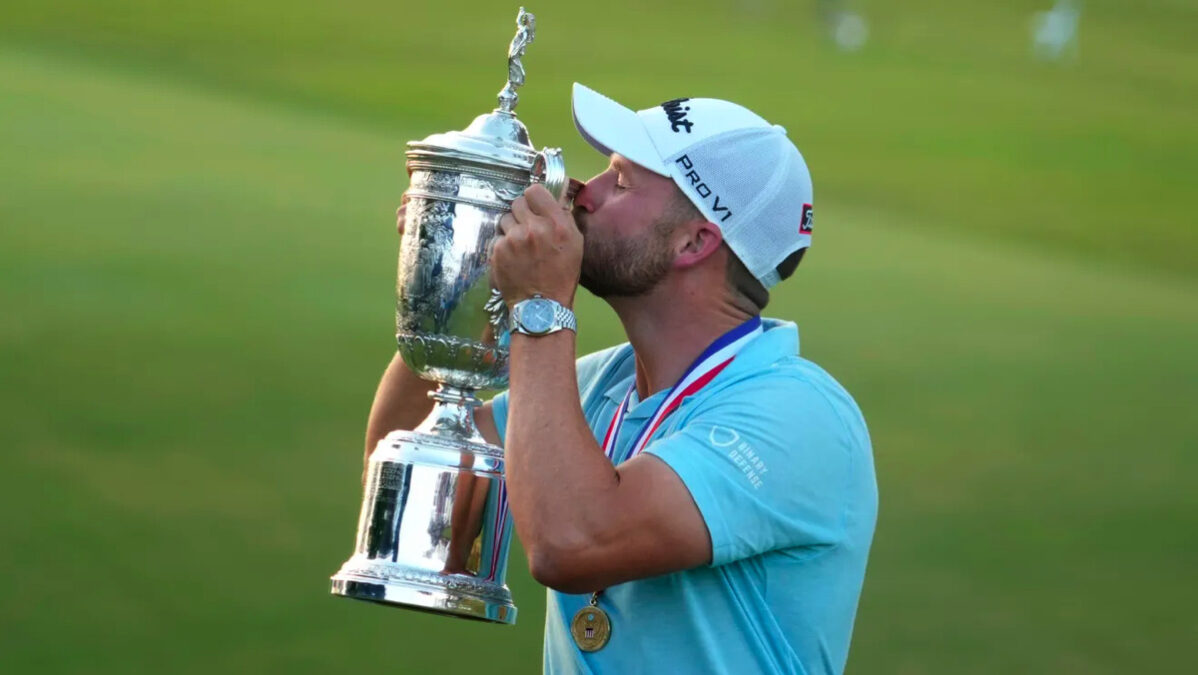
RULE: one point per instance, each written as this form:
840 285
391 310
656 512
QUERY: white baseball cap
743 173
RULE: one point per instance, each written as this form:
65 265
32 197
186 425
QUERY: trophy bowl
434 532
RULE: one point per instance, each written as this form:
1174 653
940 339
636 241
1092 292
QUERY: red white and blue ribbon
714 359
500 525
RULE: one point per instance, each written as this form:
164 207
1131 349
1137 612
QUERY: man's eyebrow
620 164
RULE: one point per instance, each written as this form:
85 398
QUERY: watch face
536 316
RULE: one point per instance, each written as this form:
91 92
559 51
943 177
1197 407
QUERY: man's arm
584 524
401 402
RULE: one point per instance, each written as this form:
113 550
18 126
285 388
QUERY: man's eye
621 187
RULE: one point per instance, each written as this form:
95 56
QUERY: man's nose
585 199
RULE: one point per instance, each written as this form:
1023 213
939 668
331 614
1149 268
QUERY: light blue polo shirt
776 455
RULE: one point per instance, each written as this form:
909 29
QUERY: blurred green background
197 257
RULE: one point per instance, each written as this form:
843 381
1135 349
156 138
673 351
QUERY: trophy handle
550 169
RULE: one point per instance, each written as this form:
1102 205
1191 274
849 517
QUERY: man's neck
669 333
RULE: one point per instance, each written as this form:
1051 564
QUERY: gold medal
591 627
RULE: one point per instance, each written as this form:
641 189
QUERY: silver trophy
434 530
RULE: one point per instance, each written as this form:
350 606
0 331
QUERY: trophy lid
496 138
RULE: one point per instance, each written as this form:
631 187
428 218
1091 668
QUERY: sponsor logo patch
741 453
807 221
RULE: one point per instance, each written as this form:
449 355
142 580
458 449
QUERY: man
699 499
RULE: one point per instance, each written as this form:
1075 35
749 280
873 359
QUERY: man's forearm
558 477
401 402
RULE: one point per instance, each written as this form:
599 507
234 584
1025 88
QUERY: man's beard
625 267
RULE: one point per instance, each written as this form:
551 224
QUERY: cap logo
700 187
677 114
807 221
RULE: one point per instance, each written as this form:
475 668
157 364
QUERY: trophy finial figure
526 31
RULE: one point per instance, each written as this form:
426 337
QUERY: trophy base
434 530
450 594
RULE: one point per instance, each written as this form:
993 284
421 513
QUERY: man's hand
539 250
401 212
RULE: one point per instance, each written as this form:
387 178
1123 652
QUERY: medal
591 626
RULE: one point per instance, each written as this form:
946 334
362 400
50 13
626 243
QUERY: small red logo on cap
807 221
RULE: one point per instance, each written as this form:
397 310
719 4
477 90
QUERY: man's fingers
505 224
401 212
555 218
510 229
521 210
537 217
540 200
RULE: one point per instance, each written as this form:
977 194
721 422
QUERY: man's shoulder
788 391
774 359
808 375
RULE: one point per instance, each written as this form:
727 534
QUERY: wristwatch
539 315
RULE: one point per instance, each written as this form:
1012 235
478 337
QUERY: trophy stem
453 414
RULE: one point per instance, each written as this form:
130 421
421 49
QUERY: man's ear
702 239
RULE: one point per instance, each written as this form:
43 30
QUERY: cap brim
610 127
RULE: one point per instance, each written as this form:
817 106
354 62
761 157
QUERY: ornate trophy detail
526 32
434 532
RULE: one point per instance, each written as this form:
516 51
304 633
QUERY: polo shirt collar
779 340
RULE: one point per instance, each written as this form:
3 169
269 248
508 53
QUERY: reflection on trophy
434 529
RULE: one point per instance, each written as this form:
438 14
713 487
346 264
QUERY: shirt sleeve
589 369
767 463
499 414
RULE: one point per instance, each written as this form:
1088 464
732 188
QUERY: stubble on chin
624 268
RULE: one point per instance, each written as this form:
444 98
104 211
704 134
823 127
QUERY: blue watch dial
536 316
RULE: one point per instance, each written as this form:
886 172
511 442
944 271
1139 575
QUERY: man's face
627 216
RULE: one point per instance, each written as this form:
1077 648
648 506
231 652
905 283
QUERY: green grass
197 256
944 119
